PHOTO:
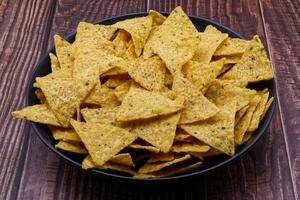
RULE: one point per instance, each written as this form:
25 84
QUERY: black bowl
42 131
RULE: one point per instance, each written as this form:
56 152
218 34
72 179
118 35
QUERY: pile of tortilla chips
151 96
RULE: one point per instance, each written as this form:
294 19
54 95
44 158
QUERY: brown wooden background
28 170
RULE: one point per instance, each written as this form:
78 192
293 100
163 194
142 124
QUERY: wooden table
271 170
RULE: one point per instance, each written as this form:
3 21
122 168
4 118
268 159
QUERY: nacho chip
39 113
210 40
254 65
149 73
103 96
183 136
269 103
114 71
258 111
247 137
168 93
122 159
211 152
121 42
64 96
173 43
64 134
54 62
159 132
157 18
116 81
63 52
142 104
121 91
153 167
185 147
241 128
40 95
139 29
232 46
102 141
196 106
145 146
71 147
161 157
240 114
217 131
168 78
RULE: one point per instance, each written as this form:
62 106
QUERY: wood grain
23 27
283 33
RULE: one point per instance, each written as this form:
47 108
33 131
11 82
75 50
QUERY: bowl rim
181 177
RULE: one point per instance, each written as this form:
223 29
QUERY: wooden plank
282 30
23 27
263 173
45 176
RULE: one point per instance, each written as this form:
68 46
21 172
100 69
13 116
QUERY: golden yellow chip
139 29
122 159
217 131
247 137
185 147
40 95
254 65
64 134
269 103
121 91
37 113
153 167
159 132
64 96
241 127
149 73
121 42
144 146
102 141
232 46
196 106
114 71
161 157
142 104
71 147
63 52
103 96
54 62
183 136
117 80
210 40
174 41
240 114
157 18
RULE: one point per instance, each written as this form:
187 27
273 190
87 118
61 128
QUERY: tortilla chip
88 163
63 134
168 93
37 113
269 103
210 40
71 147
195 146
114 71
121 42
247 137
63 52
54 62
240 114
183 136
157 18
103 96
217 131
161 157
259 110
173 43
116 81
254 65
153 167
122 159
159 132
64 96
145 146
121 91
40 95
139 29
232 46
211 152
221 92
102 141
201 75
196 106
241 128
142 104
149 73
229 59
168 78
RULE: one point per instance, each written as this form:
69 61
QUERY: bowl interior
43 68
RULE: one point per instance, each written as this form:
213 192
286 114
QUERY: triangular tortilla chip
64 96
37 113
159 132
153 167
71 147
139 29
161 157
64 134
217 131
254 65
121 91
195 146
117 80
196 106
240 114
40 95
210 40
183 136
149 73
102 141
142 104
122 159
54 62
103 96
157 18
121 42
232 46
269 103
174 41
63 52
142 145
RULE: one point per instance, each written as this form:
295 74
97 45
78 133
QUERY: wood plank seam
279 102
